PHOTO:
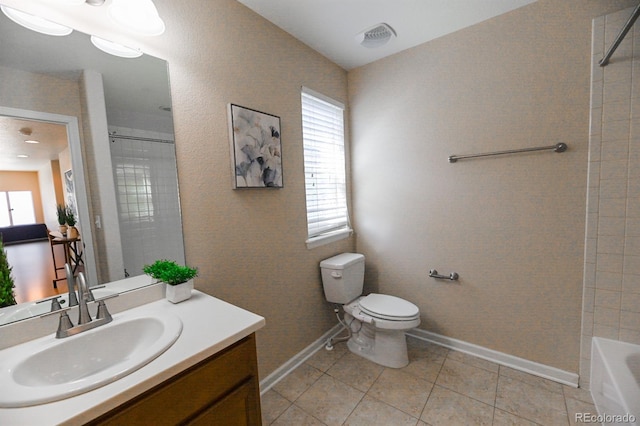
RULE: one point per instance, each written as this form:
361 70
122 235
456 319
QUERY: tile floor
438 387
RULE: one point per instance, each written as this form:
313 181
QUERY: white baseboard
293 363
521 364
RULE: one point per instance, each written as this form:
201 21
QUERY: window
324 168
135 196
16 208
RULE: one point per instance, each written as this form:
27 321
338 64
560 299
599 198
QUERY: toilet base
385 347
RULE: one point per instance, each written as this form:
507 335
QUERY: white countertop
209 325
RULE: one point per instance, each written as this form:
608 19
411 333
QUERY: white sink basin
50 369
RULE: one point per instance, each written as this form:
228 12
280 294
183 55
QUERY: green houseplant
7 296
179 279
61 210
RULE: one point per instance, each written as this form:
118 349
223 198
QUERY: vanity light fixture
115 48
35 23
22 156
140 16
32 141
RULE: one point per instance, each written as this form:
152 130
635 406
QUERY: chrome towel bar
559 147
452 276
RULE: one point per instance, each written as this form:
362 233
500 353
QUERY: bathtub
615 381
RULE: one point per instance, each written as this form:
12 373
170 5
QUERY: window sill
329 237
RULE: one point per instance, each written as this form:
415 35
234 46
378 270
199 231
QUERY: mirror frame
80 187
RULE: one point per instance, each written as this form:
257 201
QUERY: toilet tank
343 277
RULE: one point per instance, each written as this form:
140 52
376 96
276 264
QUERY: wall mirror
105 129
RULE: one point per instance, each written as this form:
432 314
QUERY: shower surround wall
611 306
147 192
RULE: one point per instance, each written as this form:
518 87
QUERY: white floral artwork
256 148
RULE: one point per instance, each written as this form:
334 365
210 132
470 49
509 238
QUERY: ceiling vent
376 36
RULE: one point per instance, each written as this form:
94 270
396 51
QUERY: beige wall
511 226
38 92
248 244
24 181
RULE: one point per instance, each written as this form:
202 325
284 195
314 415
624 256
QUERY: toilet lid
388 307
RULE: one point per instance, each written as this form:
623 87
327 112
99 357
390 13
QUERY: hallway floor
33 271
438 387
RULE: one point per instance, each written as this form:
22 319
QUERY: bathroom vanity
208 376
222 389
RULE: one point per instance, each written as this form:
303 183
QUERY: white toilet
377 321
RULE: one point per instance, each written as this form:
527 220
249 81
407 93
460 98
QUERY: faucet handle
103 312
90 296
55 303
65 322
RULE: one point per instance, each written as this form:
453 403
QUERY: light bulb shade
115 48
140 16
69 2
35 23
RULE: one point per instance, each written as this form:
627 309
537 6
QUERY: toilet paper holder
452 276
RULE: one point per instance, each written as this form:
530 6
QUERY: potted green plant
7 296
179 279
71 221
61 210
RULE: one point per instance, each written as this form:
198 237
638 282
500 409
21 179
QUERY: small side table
72 248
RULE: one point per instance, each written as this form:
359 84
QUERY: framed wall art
256 148
70 192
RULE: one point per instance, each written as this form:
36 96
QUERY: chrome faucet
83 297
85 322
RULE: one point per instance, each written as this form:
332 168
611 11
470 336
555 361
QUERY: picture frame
256 148
70 192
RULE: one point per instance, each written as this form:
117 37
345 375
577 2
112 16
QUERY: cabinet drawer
191 391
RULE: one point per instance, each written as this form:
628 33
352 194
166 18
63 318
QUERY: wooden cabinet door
233 410
222 389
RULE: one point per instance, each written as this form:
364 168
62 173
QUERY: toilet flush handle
336 274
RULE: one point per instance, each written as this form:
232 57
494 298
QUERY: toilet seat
384 320
390 308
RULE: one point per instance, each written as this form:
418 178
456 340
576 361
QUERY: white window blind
324 164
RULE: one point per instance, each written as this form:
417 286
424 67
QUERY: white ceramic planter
180 292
